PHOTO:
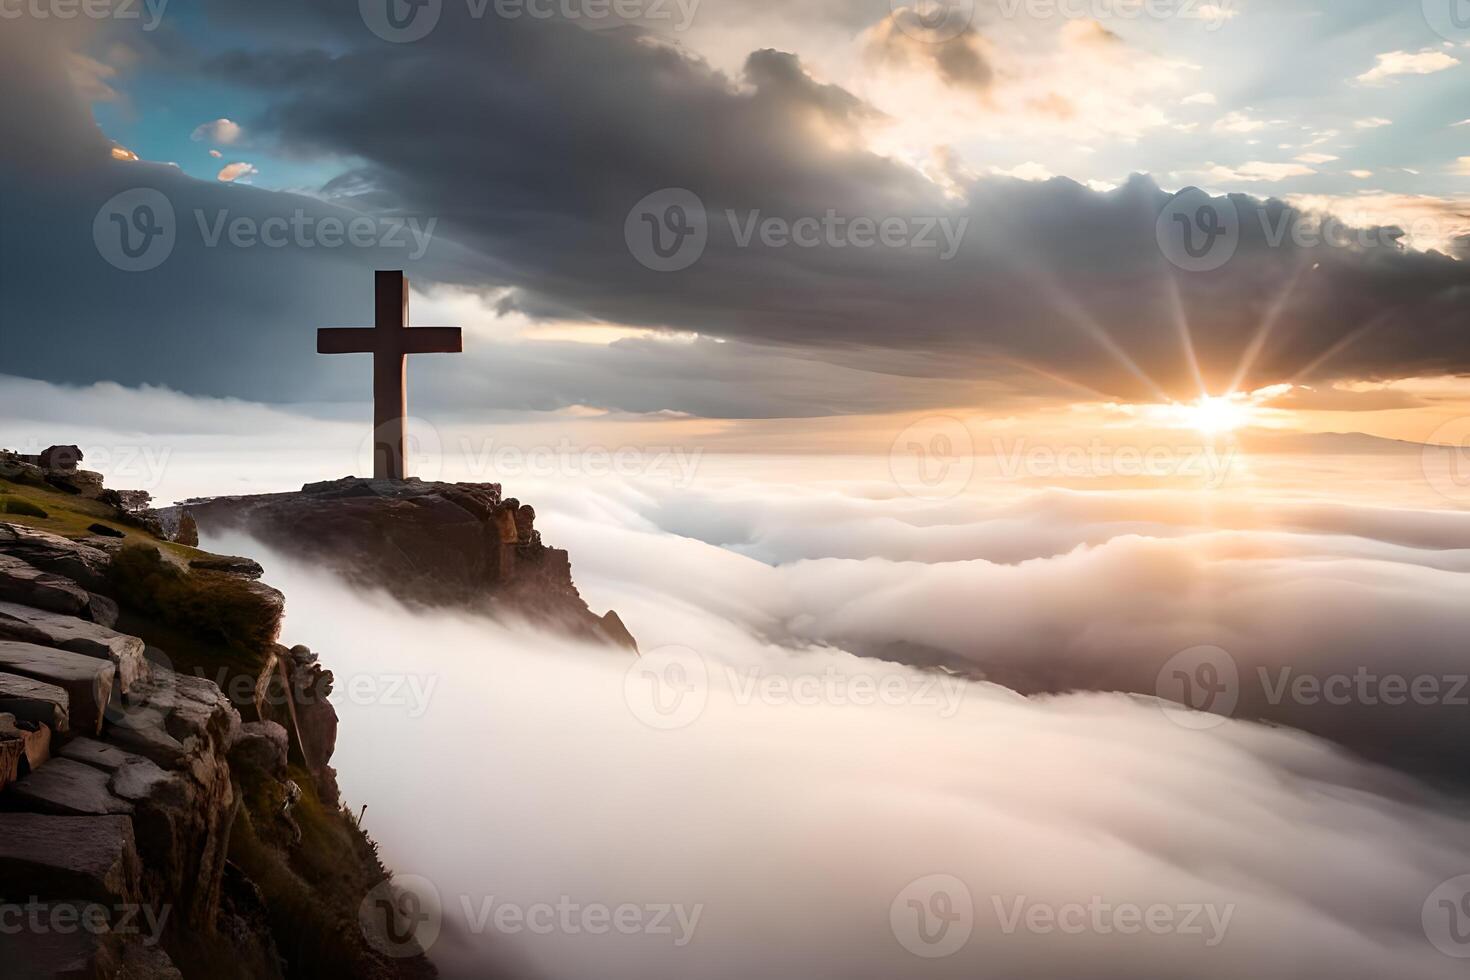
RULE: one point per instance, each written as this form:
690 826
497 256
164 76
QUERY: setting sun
1213 414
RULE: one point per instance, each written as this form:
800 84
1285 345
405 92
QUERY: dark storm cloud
529 142
534 141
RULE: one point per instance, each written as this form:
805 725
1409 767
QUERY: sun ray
1267 327
1181 323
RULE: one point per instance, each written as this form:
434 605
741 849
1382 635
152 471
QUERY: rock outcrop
430 544
136 802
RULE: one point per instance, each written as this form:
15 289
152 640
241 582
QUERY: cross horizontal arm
346 340
433 340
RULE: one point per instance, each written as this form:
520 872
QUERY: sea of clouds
782 786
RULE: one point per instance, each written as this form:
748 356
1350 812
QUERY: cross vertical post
390 340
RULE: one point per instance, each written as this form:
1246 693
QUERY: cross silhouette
390 341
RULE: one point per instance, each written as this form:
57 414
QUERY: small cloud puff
221 131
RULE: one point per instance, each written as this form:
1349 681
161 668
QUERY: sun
1215 414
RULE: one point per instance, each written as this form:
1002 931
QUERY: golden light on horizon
1216 414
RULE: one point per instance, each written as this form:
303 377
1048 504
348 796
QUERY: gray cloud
530 141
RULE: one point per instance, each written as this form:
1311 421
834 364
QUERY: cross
390 341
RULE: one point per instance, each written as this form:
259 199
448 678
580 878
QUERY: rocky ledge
428 544
152 826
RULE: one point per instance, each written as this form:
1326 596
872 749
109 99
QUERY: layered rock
123 782
429 544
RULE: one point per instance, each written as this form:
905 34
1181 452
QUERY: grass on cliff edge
69 515
313 888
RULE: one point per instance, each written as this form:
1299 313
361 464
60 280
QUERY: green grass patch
212 608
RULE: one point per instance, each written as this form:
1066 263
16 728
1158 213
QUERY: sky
872 213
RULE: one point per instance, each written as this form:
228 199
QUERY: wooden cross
390 341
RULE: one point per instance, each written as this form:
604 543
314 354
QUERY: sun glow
1213 414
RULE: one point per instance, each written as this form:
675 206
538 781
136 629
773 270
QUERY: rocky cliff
431 544
167 803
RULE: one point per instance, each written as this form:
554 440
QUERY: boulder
167 755
98 755
49 552
30 625
87 681
231 564
187 532
261 750
62 458
102 610
105 530
53 857
68 788
434 544
22 582
24 747
34 701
